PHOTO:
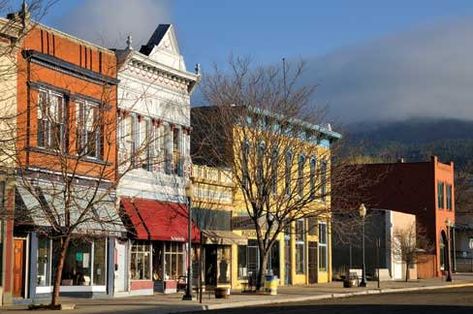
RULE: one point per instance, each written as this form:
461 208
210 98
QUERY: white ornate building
154 128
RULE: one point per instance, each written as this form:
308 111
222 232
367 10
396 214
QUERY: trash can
351 280
271 284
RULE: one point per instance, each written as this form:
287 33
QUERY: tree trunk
58 271
407 272
263 262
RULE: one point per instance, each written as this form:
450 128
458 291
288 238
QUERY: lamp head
362 210
190 188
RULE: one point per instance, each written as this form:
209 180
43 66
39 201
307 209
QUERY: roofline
80 40
128 55
303 123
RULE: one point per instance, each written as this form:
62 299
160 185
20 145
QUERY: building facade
425 189
384 249
301 253
154 159
66 90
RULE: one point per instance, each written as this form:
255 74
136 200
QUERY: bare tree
62 155
262 125
408 242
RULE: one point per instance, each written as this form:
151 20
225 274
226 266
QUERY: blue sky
345 43
209 30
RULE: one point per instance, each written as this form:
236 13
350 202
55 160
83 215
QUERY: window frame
82 131
44 119
300 238
323 246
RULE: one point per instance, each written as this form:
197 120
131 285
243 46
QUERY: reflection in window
99 262
173 260
140 261
43 265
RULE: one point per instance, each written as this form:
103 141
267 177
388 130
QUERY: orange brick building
425 189
66 111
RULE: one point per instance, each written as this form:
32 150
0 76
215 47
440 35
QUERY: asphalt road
459 300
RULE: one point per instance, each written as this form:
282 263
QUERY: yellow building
280 169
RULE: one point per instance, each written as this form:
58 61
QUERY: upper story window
288 173
313 168
274 170
51 119
89 129
440 194
300 175
323 179
245 152
449 197
260 160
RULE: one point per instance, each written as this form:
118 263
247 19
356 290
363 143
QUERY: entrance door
312 262
211 265
120 266
18 267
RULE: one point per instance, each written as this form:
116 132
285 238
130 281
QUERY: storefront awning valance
91 210
155 220
223 237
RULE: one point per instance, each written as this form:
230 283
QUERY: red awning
155 220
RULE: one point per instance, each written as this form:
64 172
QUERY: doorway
120 266
18 268
312 262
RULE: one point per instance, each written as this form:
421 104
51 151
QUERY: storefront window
300 238
99 262
273 259
242 263
140 264
323 256
43 276
223 265
174 260
77 265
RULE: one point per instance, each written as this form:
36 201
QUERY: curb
322 297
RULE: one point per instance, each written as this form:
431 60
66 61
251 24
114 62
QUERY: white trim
83 289
44 289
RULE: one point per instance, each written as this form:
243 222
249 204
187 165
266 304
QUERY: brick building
425 189
64 145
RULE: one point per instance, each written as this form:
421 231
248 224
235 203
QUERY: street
435 301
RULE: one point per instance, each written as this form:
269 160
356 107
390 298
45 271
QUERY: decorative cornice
67 67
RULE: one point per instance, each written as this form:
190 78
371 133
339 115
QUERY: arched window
274 170
245 151
288 172
260 162
313 168
300 175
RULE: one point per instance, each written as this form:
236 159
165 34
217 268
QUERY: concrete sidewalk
160 303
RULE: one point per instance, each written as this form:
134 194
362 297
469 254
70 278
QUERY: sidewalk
160 303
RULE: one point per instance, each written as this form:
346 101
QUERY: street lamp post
362 212
449 257
189 194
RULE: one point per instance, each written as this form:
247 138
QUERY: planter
221 293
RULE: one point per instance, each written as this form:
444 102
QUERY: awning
92 210
223 237
155 220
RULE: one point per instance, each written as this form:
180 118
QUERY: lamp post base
187 297
362 284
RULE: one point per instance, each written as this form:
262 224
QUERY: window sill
53 152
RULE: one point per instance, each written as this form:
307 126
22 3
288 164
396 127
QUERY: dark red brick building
425 189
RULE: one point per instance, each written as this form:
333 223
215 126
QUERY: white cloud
109 22
427 72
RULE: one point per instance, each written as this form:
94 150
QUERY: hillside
415 139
